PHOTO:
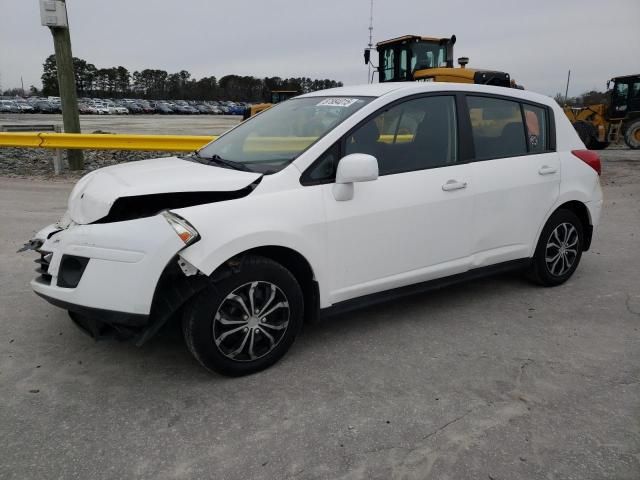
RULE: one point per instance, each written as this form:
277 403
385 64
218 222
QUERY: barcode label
337 102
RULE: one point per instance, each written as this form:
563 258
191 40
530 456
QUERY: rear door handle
453 185
547 170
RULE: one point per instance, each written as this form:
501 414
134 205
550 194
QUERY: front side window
414 135
271 140
428 55
497 127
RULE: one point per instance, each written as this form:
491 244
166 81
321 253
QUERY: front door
414 222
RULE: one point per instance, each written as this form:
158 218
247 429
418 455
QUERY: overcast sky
536 41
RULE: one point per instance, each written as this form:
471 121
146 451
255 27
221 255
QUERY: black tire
202 321
600 145
587 133
541 271
632 135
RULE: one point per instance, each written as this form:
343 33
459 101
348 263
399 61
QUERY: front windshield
272 139
428 55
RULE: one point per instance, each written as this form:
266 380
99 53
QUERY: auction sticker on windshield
337 102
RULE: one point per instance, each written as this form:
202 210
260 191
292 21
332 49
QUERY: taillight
590 158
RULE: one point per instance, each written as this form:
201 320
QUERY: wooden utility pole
67 86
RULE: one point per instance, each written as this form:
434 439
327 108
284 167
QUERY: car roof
410 88
366 90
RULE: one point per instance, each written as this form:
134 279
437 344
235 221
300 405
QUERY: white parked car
24 107
101 108
327 201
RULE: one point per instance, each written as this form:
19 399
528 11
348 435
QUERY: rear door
516 173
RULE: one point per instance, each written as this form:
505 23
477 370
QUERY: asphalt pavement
495 379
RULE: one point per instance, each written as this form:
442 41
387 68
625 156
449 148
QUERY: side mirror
357 167
367 56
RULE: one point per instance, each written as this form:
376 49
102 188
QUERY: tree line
155 84
591 97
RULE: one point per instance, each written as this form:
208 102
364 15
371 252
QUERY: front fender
292 219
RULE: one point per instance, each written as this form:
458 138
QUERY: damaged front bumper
106 272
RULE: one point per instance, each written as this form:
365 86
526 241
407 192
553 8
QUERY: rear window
497 127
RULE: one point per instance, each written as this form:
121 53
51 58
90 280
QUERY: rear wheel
559 249
632 135
587 133
246 321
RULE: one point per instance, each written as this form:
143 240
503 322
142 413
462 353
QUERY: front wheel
632 135
559 249
246 321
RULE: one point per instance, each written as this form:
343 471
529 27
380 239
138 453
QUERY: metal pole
566 92
67 87
57 160
370 40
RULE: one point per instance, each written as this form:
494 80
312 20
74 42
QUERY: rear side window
536 123
497 127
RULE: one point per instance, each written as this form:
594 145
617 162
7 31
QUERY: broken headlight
187 233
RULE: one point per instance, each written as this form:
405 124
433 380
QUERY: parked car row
102 106
18 106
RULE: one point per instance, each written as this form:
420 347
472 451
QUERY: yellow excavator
600 124
429 59
277 96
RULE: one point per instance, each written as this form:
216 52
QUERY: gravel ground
494 379
32 162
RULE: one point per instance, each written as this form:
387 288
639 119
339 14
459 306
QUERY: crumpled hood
95 193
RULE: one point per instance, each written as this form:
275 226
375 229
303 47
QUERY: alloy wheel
251 321
562 249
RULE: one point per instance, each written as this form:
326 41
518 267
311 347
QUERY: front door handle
453 185
547 170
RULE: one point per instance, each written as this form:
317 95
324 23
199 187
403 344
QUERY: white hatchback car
327 201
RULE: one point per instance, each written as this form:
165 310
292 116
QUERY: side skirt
388 295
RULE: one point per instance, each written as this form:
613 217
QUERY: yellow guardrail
108 141
166 143
29 140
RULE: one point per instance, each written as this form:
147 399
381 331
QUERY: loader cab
625 97
278 96
399 58
428 59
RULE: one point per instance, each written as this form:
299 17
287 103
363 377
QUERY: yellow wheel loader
277 96
604 123
429 59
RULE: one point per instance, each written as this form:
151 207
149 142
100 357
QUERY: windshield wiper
218 160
